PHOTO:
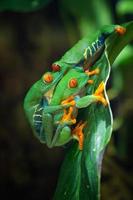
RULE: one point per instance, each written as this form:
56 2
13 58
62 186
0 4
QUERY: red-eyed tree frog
52 103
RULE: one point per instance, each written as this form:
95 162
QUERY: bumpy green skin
52 132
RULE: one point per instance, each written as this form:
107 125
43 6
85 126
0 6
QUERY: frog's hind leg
47 123
62 135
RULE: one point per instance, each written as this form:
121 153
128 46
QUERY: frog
88 50
57 110
53 102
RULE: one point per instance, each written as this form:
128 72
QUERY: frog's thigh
47 122
64 136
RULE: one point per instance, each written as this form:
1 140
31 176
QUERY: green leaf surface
81 170
22 5
115 49
80 174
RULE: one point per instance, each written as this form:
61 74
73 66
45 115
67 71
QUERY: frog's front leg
98 96
65 134
62 135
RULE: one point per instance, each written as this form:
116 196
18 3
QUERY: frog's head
107 30
51 78
77 79
72 83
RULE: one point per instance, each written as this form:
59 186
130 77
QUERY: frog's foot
99 94
67 117
78 133
93 72
69 100
120 30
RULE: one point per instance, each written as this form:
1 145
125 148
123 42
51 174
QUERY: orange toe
68 117
99 94
78 133
120 30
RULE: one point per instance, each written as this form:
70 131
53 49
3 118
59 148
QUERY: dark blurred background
30 40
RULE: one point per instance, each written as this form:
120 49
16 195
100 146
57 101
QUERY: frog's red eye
73 83
55 67
48 78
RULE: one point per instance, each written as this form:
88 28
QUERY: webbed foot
120 30
93 72
99 94
68 117
78 133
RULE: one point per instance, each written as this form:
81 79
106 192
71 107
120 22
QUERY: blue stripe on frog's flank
95 46
93 52
37 116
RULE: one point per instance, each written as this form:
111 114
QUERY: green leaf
22 5
115 45
123 64
80 174
81 170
